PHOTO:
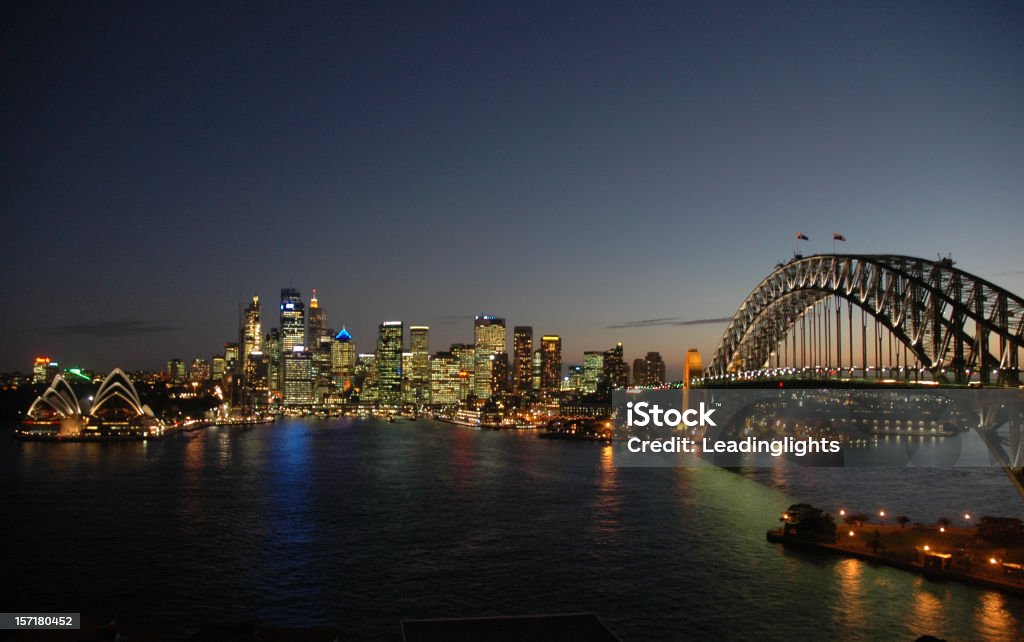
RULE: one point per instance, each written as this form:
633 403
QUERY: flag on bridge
836 236
800 236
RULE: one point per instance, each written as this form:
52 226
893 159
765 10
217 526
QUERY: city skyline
602 173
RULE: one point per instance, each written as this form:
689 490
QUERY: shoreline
776 536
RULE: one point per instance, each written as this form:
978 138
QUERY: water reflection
850 612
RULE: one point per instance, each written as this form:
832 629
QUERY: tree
857 518
811 523
902 520
944 522
1001 531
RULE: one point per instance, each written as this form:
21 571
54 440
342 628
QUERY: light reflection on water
364 523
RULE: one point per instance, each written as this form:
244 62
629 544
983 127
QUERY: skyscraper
522 353
298 378
639 372
550 366
273 351
343 359
388 360
488 341
419 377
593 371
199 372
252 331
317 322
293 320
616 371
654 369
445 380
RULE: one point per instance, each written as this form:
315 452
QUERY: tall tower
252 331
593 371
419 377
390 336
550 366
317 322
693 367
522 353
293 320
343 359
489 341
615 369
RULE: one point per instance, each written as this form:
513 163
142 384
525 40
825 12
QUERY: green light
78 373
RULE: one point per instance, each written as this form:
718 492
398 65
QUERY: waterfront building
419 370
298 378
466 354
550 367
390 336
488 341
251 331
257 378
522 354
446 380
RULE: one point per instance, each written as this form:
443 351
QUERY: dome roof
343 336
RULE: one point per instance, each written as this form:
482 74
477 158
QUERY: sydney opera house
115 410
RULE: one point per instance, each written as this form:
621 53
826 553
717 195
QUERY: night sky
573 167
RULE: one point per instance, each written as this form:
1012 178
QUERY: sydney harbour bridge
879 321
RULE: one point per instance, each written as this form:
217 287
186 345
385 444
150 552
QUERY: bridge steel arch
947 317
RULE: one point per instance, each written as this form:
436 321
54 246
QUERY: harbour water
363 523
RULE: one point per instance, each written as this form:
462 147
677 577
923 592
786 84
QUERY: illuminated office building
536 365
550 366
218 367
522 355
40 369
465 354
298 378
252 331
272 348
390 336
419 370
488 341
232 357
654 369
176 371
616 372
343 359
257 381
572 382
293 320
446 380
199 372
593 371
317 321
